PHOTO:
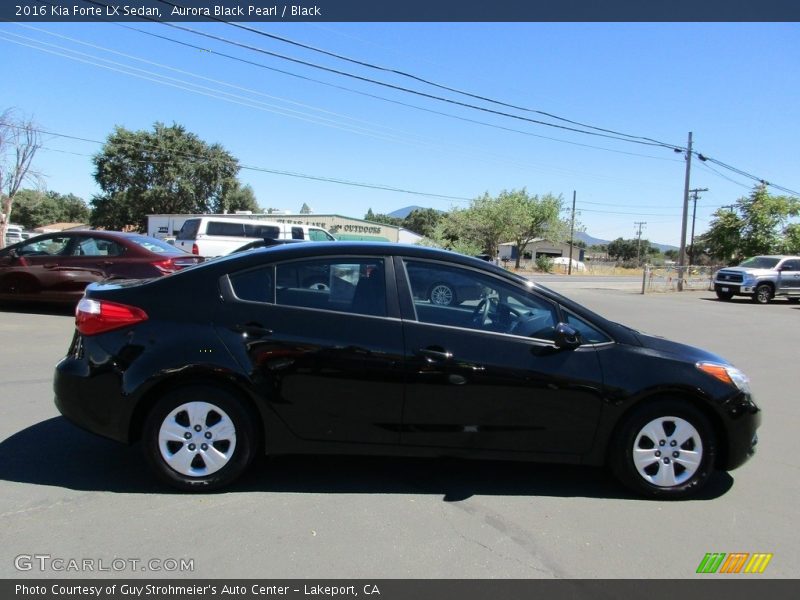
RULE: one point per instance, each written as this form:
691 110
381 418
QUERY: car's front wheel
763 294
665 449
199 438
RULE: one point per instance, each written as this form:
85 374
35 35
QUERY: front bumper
734 288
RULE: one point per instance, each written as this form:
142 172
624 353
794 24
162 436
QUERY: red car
56 267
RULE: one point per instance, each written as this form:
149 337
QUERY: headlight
727 374
749 280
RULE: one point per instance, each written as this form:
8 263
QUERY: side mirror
567 337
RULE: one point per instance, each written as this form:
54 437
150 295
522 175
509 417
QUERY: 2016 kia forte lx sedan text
214 364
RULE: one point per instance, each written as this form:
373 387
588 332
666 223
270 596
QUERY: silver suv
762 278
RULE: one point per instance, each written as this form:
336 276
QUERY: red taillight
98 316
166 266
195 249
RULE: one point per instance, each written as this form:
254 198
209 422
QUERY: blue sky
735 86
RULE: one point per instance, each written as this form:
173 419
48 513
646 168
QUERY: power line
397 87
421 79
262 169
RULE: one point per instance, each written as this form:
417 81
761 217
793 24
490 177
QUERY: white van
216 236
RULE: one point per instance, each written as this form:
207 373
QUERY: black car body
258 361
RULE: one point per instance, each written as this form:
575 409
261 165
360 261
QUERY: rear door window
352 285
225 229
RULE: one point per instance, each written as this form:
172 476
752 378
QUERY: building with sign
343 228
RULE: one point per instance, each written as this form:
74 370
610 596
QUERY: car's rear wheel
665 449
442 294
724 295
763 294
199 438
19 284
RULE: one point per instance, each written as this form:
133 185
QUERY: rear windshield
189 230
761 262
154 245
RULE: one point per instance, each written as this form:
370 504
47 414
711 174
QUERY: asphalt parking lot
70 495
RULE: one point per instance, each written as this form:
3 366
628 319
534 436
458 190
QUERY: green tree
34 209
386 219
370 216
241 199
759 224
167 170
305 209
530 217
423 221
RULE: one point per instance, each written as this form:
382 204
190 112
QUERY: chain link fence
674 278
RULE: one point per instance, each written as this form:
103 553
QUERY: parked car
13 234
57 267
218 236
258 362
762 278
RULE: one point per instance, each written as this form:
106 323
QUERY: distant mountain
593 241
402 213
589 240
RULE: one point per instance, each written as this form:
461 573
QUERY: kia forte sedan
256 361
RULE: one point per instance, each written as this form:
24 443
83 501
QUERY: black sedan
259 362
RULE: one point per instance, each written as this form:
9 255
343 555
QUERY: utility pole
694 193
640 225
571 233
682 252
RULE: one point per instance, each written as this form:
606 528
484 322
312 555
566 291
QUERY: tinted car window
189 230
353 285
52 246
91 246
297 233
263 231
222 228
791 265
256 285
154 245
500 306
589 333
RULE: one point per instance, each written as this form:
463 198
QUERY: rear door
789 282
323 343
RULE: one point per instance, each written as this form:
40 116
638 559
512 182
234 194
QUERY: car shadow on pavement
56 453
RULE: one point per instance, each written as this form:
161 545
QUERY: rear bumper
91 402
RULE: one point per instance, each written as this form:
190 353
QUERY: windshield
761 262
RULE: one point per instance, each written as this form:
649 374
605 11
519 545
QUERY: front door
485 374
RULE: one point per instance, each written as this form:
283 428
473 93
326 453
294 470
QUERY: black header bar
402 10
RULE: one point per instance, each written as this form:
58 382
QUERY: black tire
724 295
216 460
763 294
664 475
